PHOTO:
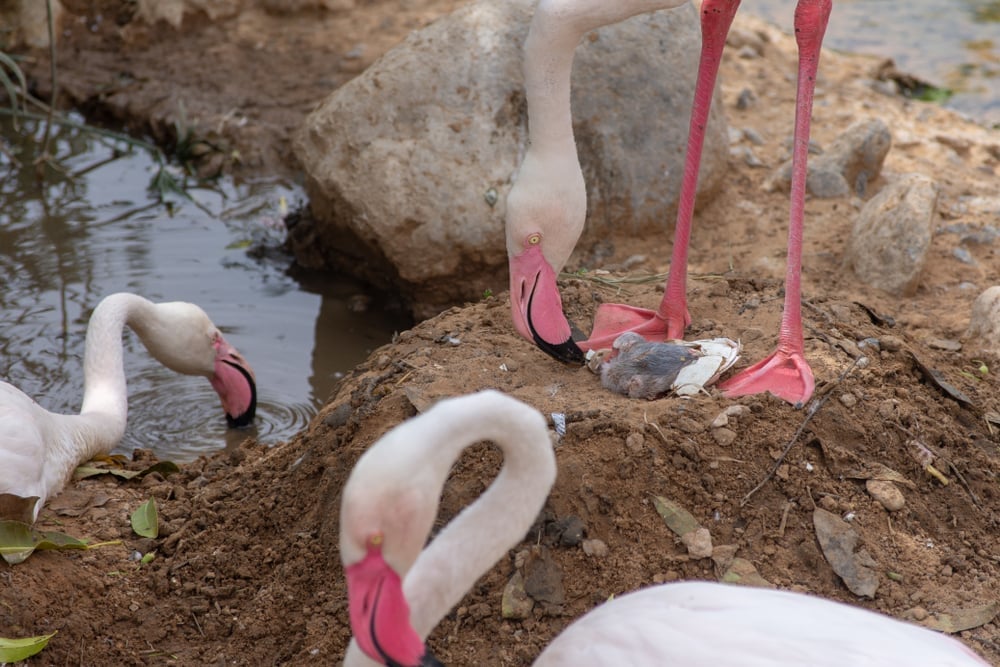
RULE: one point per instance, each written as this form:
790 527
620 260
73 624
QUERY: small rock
852 162
746 99
635 442
983 333
946 344
887 493
917 613
892 235
848 400
698 543
724 436
890 343
594 547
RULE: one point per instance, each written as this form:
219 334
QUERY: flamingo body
398 591
705 624
39 449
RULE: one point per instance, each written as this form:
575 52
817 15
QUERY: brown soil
246 569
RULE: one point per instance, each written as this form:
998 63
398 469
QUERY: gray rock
983 334
408 165
847 167
892 234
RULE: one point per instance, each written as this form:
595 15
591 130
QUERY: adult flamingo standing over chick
399 590
546 207
40 449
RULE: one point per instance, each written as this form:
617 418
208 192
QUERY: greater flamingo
398 591
40 449
546 206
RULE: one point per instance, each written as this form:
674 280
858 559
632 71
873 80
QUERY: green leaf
145 521
19 540
16 541
676 517
12 650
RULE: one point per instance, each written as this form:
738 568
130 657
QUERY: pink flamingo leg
785 373
672 318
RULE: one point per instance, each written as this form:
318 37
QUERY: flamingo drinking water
40 449
398 590
547 204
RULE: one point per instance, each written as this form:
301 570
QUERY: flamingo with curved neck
40 449
546 206
399 591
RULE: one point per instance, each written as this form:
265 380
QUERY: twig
52 74
813 408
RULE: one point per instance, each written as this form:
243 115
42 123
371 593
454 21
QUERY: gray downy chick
644 369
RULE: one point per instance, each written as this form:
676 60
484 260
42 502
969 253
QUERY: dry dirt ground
246 569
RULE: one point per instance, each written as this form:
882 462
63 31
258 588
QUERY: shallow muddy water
67 242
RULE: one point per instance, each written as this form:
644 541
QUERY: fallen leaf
19 540
741 571
145 521
677 518
515 603
543 579
838 540
165 468
964 619
13 650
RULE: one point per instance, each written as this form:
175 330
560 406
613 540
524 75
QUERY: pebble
848 400
594 547
724 436
887 493
698 543
635 442
890 343
983 333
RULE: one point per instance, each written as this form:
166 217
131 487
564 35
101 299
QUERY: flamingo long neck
557 27
101 423
483 532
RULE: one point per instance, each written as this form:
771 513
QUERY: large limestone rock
408 165
892 235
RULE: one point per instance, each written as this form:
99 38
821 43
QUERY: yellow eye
375 540
534 239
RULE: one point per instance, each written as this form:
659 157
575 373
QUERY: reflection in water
951 44
87 232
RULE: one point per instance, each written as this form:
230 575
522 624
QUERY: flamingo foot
614 319
784 374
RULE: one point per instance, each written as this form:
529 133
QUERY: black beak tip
567 352
428 660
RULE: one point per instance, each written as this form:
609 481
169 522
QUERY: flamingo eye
375 540
534 239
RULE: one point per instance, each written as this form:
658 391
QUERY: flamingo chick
398 590
547 203
40 449
638 368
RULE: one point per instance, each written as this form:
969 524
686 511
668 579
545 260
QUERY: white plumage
39 449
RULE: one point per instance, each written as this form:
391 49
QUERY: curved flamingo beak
234 382
380 615
536 306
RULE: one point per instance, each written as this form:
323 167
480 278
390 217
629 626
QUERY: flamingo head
543 222
385 518
234 382
181 336
380 614
536 306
